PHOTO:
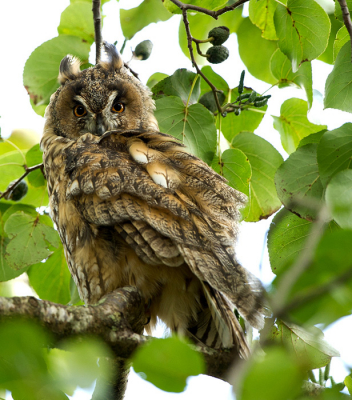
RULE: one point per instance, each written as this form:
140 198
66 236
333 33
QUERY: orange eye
79 110
118 108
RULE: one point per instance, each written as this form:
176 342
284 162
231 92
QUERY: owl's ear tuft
69 69
114 60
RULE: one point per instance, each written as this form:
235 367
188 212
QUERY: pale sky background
24 25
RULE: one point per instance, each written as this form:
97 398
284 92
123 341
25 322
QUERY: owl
133 207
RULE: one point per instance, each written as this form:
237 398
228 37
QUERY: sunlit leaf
338 11
135 19
42 82
297 181
76 20
342 37
167 363
264 160
301 37
282 70
255 51
155 78
293 124
338 87
218 81
328 55
180 84
276 376
261 13
308 346
338 197
28 239
334 152
196 128
235 167
51 279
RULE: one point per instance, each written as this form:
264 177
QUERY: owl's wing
168 205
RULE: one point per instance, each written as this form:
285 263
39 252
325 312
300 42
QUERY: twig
131 70
16 182
214 14
97 29
190 49
346 19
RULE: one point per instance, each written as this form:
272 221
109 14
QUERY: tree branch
346 19
118 319
97 29
17 181
214 14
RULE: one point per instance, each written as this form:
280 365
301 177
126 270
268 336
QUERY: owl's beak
99 127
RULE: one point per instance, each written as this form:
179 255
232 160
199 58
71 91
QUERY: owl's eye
118 108
79 110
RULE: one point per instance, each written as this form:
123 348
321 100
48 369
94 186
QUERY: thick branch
118 319
97 29
346 19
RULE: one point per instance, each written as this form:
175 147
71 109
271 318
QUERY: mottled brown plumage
133 207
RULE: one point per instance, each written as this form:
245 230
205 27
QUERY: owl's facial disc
99 121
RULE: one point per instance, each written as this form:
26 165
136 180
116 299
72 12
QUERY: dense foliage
310 237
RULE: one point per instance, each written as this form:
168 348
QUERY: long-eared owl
134 207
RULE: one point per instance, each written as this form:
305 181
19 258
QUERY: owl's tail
217 325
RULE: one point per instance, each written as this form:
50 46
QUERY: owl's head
99 99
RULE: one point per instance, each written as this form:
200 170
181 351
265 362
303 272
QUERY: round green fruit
217 54
143 50
219 35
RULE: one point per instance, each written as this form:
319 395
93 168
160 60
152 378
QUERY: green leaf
167 363
264 160
76 20
313 138
235 167
6 272
178 84
23 139
338 11
248 120
276 376
342 37
281 69
348 382
42 82
297 181
308 346
338 87
51 279
334 152
194 126
302 37
325 307
11 168
34 156
255 51
286 239
201 24
338 197
293 124
261 13
328 55
77 363
215 79
28 239
135 19
155 78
